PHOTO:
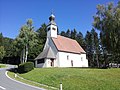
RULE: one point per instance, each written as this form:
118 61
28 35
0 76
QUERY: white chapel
60 51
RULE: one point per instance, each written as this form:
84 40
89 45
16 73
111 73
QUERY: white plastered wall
79 60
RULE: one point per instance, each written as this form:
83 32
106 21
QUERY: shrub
25 67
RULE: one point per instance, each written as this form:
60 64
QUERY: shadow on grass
14 70
91 67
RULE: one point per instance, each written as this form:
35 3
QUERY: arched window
48 28
67 57
72 63
81 58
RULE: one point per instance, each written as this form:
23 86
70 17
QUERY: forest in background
101 48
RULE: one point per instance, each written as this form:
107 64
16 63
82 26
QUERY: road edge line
2 88
22 82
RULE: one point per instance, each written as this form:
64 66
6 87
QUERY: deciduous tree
2 53
107 20
26 39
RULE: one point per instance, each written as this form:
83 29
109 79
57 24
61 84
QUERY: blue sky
70 14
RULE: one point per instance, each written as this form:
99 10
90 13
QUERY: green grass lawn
12 75
2 65
76 78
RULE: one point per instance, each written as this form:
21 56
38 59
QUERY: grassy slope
77 79
12 75
2 65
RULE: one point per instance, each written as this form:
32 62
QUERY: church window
67 57
72 63
40 61
81 58
53 28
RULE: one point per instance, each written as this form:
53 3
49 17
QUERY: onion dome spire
52 19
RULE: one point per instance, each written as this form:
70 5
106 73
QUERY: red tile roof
67 45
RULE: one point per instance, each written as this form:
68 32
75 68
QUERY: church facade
60 51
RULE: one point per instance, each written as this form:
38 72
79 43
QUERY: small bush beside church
26 67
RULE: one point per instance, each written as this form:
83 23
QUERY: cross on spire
51 11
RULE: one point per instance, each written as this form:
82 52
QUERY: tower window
48 28
53 28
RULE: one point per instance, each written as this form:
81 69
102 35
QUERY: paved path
8 84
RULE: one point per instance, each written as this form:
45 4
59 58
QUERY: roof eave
69 52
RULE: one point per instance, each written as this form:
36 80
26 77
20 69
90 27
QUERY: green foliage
26 36
2 66
62 33
73 34
107 20
88 42
2 49
8 45
80 39
10 51
76 78
42 34
41 37
93 48
26 67
1 39
68 34
2 52
26 40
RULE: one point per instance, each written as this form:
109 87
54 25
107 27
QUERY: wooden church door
52 62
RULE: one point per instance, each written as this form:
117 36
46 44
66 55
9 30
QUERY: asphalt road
8 84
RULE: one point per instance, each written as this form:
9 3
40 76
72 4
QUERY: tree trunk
23 55
97 60
26 52
93 60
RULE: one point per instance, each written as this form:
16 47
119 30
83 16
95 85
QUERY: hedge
25 67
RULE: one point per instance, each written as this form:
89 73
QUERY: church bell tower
52 27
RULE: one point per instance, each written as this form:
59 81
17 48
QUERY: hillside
76 78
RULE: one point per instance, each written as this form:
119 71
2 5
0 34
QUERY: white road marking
22 82
2 88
